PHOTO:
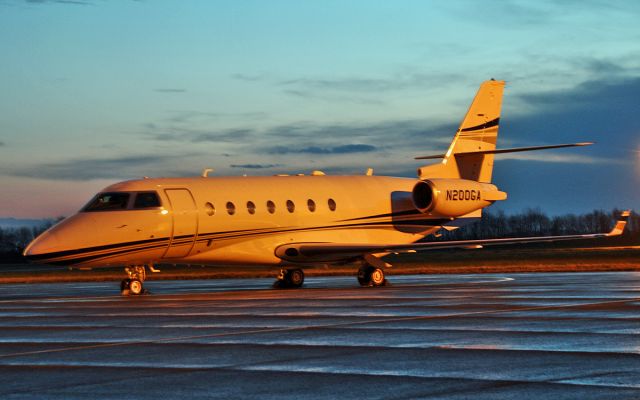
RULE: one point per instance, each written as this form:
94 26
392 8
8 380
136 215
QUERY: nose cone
42 247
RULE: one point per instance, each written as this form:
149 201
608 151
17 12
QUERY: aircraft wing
327 252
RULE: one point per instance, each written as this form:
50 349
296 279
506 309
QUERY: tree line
13 241
534 222
493 224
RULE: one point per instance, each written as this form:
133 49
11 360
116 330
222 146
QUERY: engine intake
454 197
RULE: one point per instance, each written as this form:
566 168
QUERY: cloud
2 144
600 110
317 139
109 168
558 157
186 128
198 136
398 82
343 149
400 130
169 90
255 166
539 15
356 89
600 67
513 14
315 95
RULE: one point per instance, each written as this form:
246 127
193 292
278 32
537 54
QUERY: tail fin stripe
489 124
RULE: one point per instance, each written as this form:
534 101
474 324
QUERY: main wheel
377 277
295 278
135 287
371 276
364 276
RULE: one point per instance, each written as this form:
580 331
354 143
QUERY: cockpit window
146 200
114 201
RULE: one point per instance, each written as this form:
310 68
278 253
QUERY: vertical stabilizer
477 132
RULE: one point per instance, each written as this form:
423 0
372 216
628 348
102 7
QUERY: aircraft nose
47 243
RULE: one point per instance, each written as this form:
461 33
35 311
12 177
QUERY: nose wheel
133 286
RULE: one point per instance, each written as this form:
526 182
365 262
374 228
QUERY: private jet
293 222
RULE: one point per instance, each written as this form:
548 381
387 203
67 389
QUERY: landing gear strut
289 278
134 284
369 275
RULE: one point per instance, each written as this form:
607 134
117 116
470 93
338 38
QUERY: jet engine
454 197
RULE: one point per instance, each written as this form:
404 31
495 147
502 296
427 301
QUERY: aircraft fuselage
237 220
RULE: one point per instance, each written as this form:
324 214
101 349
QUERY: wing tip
620 224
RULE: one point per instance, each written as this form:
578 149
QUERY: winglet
620 225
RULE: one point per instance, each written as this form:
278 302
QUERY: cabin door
185 223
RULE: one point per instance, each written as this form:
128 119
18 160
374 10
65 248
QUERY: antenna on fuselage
205 172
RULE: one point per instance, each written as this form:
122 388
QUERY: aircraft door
185 223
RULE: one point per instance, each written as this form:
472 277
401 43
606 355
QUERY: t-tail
470 155
478 131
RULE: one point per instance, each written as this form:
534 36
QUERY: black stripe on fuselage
393 214
86 258
88 254
65 253
416 222
488 124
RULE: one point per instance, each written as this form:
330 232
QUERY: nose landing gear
134 284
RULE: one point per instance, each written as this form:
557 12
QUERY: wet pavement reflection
573 335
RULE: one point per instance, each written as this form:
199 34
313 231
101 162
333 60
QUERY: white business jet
292 222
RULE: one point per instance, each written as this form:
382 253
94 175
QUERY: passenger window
115 201
332 205
271 207
231 208
146 200
312 205
290 206
251 207
209 209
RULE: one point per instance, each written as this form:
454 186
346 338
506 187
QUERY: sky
94 92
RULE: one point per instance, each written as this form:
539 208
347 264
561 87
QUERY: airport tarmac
507 336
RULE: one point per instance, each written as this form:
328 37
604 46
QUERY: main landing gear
289 278
134 284
369 275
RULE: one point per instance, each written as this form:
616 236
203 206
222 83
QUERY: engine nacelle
454 197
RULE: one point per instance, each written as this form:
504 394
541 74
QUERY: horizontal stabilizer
502 151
